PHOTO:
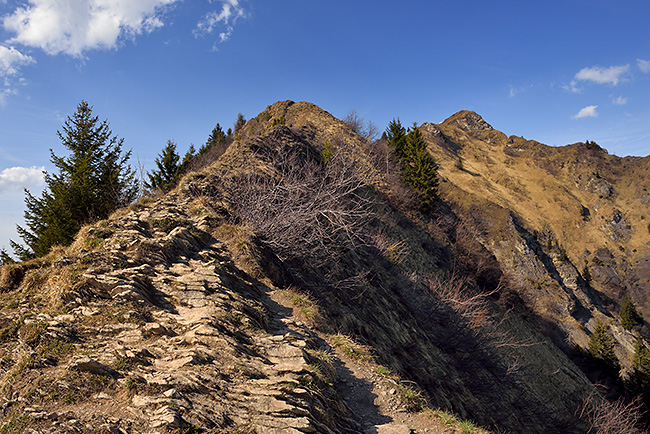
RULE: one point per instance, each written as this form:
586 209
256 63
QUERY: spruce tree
601 347
629 315
396 136
639 378
217 137
169 170
91 182
239 123
420 169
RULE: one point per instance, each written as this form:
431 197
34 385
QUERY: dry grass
304 307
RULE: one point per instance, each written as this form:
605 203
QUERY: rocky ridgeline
159 331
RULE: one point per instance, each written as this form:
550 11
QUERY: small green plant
134 383
277 121
449 420
307 307
411 398
17 424
383 370
348 346
326 153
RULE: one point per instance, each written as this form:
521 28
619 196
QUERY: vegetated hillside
291 286
568 225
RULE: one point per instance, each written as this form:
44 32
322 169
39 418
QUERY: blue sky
556 71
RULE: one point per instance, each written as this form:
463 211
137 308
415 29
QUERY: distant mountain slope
590 207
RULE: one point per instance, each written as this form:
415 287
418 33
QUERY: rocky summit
294 285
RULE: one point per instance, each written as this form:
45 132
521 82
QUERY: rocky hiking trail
163 332
371 398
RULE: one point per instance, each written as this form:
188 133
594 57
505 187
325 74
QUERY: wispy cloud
572 87
644 65
587 112
75 26
619 100
222 20
17 178
11 60
597 74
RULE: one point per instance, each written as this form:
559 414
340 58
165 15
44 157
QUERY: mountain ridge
232 305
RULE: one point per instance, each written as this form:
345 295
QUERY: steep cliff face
290 287
553 216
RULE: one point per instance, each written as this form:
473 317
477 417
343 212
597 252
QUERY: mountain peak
468 120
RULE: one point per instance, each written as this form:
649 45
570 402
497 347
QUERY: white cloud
11 59
587 112
644 65
75 26
619 100
572 87
597 74
10 62
17 178
224 19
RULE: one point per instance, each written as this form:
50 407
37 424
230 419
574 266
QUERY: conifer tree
239 123
217 137
396 136
601 347
639 378
420 169
91 182
169 170
629 315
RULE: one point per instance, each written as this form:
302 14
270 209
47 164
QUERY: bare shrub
395 251
381 157
610 417
367 130
471 306
474 313
199 161
306 209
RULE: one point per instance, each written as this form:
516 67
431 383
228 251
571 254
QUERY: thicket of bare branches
475 314
610 417
307 209
367 130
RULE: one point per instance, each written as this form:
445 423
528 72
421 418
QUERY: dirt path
371 397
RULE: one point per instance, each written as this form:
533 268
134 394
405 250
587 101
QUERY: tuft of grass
306 306
449 420
16 425
412 398
356 351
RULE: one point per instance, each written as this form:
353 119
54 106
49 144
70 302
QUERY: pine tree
629 315
396 136
91 182
217 137
169 170
601 347
420 169
239 123
639 378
